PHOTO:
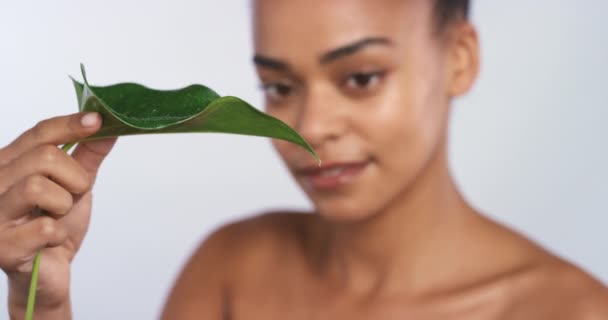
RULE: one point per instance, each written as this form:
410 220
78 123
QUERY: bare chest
306 300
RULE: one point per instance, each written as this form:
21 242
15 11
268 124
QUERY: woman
369 85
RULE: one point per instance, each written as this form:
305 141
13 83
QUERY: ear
463 63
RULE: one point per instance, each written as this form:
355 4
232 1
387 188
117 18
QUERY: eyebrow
270 63
352 48
330 56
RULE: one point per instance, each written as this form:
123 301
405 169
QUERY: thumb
91 154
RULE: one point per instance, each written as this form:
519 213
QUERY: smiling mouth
331 176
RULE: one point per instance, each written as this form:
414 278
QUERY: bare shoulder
556 289
583 297
261 235
593 304
536 284
256 240
241 251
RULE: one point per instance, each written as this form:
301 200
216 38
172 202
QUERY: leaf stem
31 297
66 147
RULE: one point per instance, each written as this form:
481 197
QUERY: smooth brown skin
400 242
34 173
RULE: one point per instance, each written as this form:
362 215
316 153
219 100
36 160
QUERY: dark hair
448 11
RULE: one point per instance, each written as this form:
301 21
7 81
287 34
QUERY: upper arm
201 288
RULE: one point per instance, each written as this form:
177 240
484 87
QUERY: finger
18 245
47 160
34 191
56 131
91 154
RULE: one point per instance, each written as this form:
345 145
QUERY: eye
363 80
276 91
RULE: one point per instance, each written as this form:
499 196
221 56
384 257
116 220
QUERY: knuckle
41 129
33 188
47 227
49 154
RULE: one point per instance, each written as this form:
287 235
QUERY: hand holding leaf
130 109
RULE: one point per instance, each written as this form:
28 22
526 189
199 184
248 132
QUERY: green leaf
130 108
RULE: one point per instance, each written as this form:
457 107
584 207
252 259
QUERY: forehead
283 26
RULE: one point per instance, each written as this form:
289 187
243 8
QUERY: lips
331 176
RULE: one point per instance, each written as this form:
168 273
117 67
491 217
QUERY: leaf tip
83 71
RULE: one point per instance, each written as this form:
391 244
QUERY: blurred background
528 144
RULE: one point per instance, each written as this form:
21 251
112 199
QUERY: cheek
291 154
406 125
283 113
281 147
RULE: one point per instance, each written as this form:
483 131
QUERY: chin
342 210
350 203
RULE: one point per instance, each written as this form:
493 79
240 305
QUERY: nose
319 119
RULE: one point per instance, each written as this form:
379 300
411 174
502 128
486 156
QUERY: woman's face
366 84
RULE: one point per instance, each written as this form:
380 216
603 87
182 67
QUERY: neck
402 247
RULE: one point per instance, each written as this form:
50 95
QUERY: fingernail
89 120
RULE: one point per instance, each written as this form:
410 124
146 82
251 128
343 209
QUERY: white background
528 144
